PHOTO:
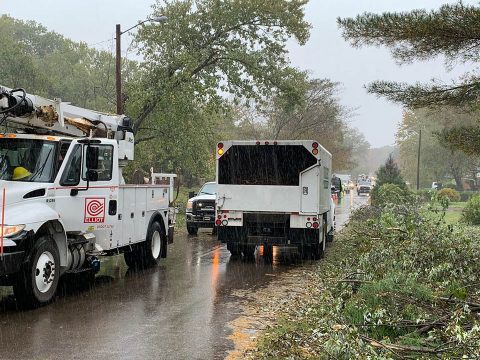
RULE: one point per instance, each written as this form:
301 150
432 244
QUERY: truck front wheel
37 281
192 230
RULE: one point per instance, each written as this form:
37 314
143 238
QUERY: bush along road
398 283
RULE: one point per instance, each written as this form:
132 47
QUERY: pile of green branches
398 284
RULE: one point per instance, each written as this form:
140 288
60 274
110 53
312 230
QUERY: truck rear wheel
148 253
37 281
234 248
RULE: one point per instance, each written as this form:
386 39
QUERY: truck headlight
11 230
189 205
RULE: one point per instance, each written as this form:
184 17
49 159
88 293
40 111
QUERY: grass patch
454 212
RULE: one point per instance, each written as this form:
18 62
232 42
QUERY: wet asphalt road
177 310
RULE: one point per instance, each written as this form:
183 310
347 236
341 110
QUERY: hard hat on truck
20 173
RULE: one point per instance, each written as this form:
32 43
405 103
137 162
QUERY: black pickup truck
201 208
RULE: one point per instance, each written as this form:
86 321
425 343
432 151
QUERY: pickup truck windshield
208 189
264 165
27 160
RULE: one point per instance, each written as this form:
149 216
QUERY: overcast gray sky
326 55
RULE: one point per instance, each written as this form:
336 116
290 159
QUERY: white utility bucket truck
63 198
274 193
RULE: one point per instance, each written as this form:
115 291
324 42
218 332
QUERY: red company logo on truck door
94 210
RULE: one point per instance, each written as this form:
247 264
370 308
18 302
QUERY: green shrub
451 194
466 195
450 186
391 194
471 212
425 195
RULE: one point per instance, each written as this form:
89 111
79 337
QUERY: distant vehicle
338 184
364 186
274 193
437 185
201 208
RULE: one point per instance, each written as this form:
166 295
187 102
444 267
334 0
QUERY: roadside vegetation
399 282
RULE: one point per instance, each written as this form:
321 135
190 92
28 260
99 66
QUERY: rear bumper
11 262
241 235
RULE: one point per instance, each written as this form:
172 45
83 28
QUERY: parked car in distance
437 185
200 212
364 187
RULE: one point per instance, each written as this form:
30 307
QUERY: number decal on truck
94 210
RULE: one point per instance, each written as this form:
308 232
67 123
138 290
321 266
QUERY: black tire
249 251
37 281
317 249
330 236
149 252
192 230
234 249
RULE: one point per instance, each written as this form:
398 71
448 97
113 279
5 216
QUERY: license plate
207 218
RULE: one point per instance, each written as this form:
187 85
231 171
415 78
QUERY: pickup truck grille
203 206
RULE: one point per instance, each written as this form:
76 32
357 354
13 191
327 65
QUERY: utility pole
118 70
118 57
418 157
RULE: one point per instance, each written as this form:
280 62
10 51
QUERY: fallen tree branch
396 347
456 301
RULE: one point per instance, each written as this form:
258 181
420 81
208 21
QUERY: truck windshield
264 165
27 160
208 189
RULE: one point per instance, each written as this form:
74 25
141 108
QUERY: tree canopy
452 31
438 161
209 47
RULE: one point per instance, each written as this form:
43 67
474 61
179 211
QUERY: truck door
91 208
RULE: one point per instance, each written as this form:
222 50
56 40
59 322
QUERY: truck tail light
220 150
225 222
315 145
218 222
315 225
315 151
309 225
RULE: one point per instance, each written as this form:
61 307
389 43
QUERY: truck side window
105 162
61 155
71 174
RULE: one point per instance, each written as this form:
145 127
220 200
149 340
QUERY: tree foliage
438 160
46 63
320 117
452 31
236 47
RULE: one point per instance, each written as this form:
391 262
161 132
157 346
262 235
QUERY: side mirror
92 158
191 194
92 175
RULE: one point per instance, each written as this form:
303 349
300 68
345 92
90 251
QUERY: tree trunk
457 175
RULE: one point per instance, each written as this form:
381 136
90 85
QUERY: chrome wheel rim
45 272
156 242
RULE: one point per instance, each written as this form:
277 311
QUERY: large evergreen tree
452 31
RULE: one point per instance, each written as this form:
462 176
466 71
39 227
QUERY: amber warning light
220 150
